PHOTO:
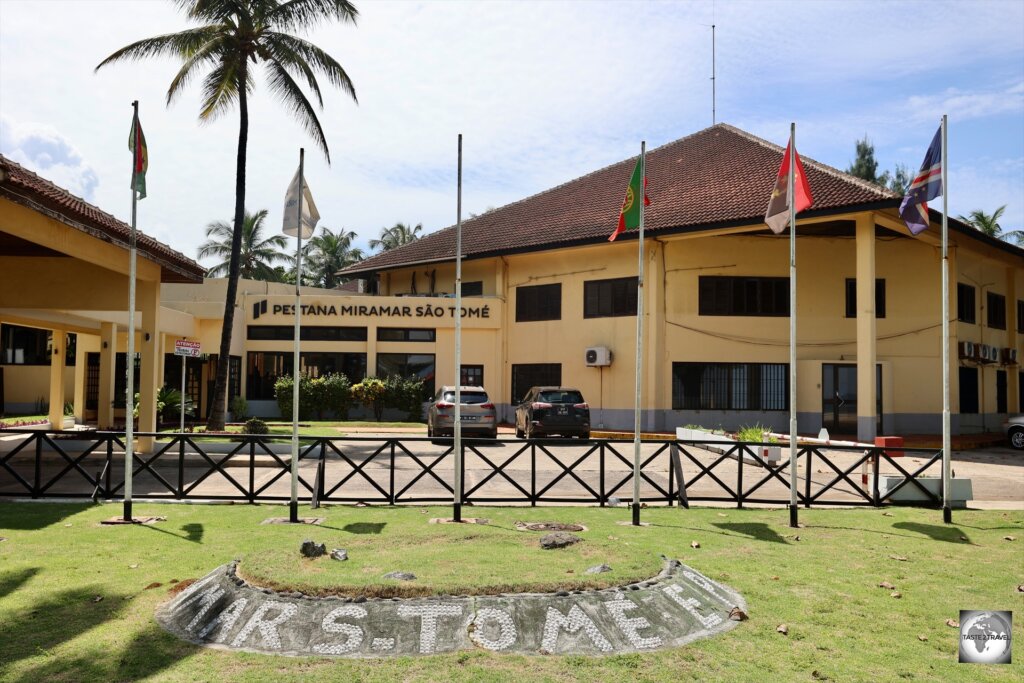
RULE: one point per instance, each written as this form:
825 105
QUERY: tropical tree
989 224
257 254
232 38
329 252
397 235
865 166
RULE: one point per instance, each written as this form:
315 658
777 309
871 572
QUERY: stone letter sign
675 607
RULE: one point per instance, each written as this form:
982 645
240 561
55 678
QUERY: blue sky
543 93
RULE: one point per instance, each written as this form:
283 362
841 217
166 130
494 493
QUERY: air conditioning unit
987 354
967 349
598 356
1009 356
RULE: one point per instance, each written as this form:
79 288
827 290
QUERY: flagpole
947 512
129 402
457 430
792 329
293 512
639 335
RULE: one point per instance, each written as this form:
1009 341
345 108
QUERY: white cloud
43 149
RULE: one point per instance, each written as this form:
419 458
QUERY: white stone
268 628
429 615
226 620
691 605
506 629
206 601
572 622
630 625
353 634
383 644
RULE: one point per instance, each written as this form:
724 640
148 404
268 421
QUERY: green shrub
405 394
69 409
316 396
371 392
337 394
168 404
254 425
239 408
755 434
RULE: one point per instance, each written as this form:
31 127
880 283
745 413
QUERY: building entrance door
839 398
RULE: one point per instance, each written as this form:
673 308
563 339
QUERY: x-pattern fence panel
257 468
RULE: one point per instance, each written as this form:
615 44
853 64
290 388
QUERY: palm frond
315 58
176 44
220 91
285 87
205 54
300 14
274 51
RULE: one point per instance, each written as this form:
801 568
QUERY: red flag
777 216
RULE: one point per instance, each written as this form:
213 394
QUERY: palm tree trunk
220 386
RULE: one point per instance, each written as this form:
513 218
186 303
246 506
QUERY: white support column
108 351
867 418
149 383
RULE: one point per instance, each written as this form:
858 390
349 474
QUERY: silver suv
479 417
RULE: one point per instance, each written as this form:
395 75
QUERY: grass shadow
35 516
756 530
364 527
12 581
936 532
194 532
53 620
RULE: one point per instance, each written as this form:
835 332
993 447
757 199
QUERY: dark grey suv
546 411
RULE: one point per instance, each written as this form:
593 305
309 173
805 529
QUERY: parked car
546 411
479 417
1014 428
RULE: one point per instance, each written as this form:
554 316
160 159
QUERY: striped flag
140 157
926 186
777 215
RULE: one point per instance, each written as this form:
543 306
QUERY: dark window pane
560 397
310 333
265 367
473 288
965 306
539 302
968 391
851 298
996 305
730 386
469 398
24 345
406 334
472 376
420 365
743 296
609 298
1001 401
528 375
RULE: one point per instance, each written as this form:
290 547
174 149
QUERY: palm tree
233 37
329 252
989 224
256 255
397 235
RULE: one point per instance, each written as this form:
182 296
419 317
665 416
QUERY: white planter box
772 454
960 489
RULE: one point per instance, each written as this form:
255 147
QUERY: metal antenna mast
713 113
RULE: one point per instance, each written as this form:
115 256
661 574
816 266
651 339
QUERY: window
609 298
996 309
419 365
1001 392
538 302
265 367
473 288
311 333
968 391
749 296
193 374
1020 319
851 298
528 375
730 386
406 334
965 303
24 345
121 377
472 376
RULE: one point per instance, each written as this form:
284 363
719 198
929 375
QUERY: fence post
392 494
676 466
106 467
876 496
318 482
604 495
38 476
181 467
533 474
739 476
807 484
252 469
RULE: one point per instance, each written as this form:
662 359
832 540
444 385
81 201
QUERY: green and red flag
140 157
629 215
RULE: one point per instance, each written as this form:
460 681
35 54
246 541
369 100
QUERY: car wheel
1017 438
585 436
493 435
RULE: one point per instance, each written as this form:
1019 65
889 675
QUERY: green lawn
57 561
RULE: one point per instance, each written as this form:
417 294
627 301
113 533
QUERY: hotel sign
376 310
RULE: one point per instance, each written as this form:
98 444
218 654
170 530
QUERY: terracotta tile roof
720 175
21 185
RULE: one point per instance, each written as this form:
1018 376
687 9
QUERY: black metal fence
252 468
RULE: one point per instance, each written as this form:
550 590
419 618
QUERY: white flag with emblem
310 216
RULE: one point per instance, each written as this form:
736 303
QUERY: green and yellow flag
629 215
140 157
